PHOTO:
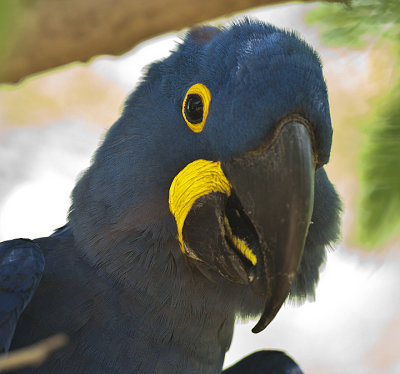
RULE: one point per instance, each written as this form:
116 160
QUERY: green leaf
354 26
379 210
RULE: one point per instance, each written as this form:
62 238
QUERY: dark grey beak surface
254 234
275 187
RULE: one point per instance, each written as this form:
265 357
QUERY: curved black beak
275 187
247 219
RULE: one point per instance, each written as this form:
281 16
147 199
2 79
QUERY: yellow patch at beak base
197 179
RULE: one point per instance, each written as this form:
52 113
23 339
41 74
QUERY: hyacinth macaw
207 200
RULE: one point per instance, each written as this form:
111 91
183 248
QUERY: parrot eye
195 107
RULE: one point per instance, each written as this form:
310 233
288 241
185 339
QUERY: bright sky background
353 325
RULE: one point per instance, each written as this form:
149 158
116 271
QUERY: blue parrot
206 201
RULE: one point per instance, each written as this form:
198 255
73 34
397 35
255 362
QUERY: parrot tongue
269 212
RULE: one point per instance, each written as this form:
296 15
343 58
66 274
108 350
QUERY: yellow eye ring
195 106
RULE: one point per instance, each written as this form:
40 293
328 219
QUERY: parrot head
222 148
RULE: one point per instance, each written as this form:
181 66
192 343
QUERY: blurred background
51 123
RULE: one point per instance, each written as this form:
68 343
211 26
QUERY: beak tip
270 311
261 325
256 329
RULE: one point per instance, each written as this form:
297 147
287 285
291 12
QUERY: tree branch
43 34
33 355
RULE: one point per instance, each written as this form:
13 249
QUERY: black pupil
194 108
